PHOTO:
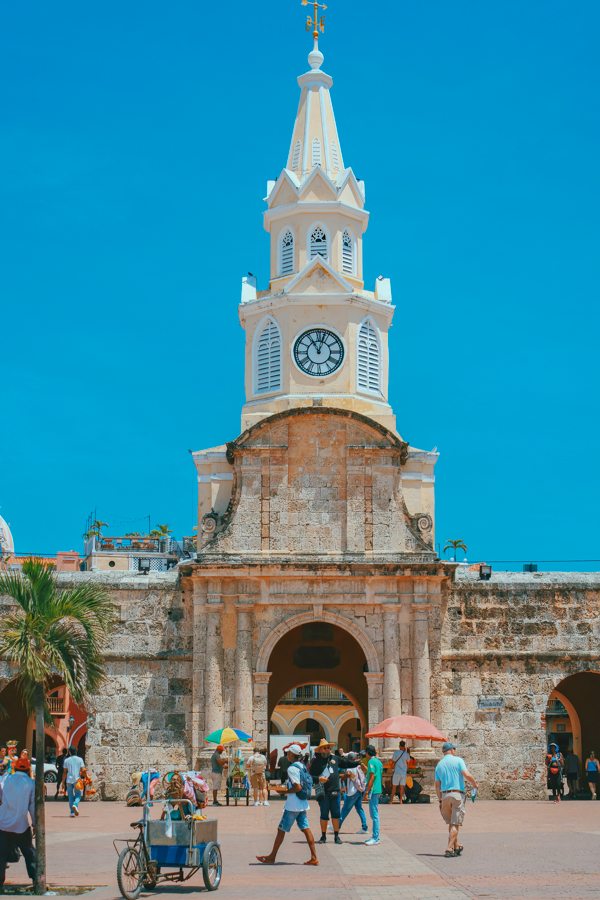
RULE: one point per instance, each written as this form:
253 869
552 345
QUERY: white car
50 772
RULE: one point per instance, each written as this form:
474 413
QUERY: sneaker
330 828
338 839
322 839
266 803
75 810
72 816
216 803
256 803
363 831
372 841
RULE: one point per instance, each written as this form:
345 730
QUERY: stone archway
355 670
357 633
578 694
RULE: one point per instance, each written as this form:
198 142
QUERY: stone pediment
318 277
319 481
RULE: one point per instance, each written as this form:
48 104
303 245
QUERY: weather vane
317 24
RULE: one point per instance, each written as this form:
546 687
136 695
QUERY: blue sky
136 140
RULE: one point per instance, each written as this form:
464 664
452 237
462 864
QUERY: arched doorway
69 721
572 715
314 665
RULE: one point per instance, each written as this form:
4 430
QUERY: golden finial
317 24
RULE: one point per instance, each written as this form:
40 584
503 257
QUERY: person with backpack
401 759
298 788
355 790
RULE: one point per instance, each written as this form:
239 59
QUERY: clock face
318 352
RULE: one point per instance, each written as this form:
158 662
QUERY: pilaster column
243 668
213 692
199 664
420 658
375 711
391 667
261 708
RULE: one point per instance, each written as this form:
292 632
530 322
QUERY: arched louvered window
335 157
316 152
296 156
286 264
369 358
347 253
318 243
268 358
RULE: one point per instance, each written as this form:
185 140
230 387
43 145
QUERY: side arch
318 716
361 637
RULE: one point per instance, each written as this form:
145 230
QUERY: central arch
360 636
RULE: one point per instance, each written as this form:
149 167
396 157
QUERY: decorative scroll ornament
424 523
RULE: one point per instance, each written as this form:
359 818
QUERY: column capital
374 677
261 677
420 605
244 607
212 607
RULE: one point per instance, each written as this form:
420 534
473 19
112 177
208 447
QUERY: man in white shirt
400 758
295 809
256 765
73 766
17 802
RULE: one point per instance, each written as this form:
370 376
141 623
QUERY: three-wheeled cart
183 846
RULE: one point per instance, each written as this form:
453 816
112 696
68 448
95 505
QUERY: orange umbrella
406 727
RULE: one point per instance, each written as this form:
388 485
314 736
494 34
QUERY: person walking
572 772
373 791
591 773
256 765
73 766
355 790
17 802
60 768
217 764
295 809
325 768
450 774
401 759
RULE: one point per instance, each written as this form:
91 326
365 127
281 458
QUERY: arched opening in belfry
318 686
572 719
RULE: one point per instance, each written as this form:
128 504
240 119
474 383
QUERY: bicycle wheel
212 865
129 877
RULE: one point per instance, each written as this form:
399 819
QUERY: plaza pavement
513 851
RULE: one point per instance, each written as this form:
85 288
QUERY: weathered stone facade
183 662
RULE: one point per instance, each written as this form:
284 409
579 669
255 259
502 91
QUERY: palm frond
17 588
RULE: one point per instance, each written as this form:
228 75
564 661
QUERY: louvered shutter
318 243
296 156
316 152
287 253
335 158
369 359
347 253
268 358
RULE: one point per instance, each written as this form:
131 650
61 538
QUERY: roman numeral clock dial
318 352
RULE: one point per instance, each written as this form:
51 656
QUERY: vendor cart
184 846
237 785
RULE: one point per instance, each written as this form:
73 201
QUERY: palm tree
161 531
50 632
455 545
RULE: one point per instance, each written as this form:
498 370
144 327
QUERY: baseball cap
294 748
351 755
448 746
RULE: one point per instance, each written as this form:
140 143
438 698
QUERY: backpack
306 782
359 779
554 766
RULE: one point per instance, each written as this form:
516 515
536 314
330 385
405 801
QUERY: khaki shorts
216 779
453 807
258 781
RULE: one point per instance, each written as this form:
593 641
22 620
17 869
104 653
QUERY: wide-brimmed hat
136 777
324 743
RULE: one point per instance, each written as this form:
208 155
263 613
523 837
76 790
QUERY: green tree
455 545
49 632
161 531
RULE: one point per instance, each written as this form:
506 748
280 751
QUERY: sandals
449 853
456 852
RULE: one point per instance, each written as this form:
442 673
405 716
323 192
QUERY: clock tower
316 336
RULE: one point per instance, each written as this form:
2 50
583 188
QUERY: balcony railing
314 693
168 546
556 708
56 705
